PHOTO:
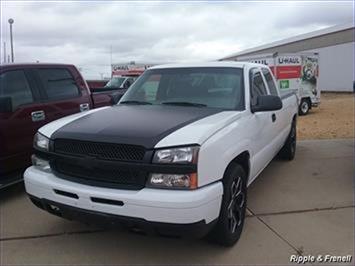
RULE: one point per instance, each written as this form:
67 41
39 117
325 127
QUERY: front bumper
198 229
147 204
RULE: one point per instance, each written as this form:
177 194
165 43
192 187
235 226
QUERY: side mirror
267 103
5 105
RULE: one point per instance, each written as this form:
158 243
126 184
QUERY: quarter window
270 82
58 83
258 87
14 84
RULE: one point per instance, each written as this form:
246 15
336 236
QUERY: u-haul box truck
298 72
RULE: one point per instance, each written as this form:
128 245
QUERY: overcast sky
82 32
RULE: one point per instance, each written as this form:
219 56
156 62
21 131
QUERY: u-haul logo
260 61
264 61
289 60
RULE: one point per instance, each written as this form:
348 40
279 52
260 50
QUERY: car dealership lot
304 206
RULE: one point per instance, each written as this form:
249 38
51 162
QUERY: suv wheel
231 218
305 106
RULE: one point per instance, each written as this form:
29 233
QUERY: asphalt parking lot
301 207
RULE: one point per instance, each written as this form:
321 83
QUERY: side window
257 86
270 82
58 83
14 84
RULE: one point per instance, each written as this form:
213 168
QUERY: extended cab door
61 92
263 125
281 125
19 122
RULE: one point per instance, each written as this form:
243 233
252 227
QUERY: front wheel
304 107
232 214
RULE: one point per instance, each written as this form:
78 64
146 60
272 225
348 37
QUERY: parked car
31 95
175 156
120 82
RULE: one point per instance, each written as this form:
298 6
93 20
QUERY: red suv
32 95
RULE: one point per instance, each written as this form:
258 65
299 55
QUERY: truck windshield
115 82
216 87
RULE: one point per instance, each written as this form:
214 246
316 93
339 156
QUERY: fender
220 149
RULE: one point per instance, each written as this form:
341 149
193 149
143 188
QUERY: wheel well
294 118
243 160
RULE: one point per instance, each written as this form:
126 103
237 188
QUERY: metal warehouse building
335 46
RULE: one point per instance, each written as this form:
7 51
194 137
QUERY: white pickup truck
175 156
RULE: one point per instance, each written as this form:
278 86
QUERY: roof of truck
208 64
33 64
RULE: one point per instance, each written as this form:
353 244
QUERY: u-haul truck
297 71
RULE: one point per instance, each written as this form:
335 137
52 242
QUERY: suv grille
94 164
107 151
101 176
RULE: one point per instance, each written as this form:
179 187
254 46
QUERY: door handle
273 117
84 107
38 116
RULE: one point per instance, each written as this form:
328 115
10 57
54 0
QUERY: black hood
143 125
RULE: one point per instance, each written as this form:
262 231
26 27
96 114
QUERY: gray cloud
82 32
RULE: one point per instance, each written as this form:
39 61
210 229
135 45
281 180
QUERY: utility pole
11 21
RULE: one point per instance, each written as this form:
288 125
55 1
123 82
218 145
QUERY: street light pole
11 21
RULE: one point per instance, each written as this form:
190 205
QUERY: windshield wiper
185 104
135 102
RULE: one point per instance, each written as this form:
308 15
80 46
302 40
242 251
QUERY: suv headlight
41 142
180 155
183 155
173 181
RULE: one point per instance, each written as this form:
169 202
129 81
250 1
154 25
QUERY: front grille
106 151
99 164
100 174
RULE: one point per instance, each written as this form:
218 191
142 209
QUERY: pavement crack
50 235
300 211
298 251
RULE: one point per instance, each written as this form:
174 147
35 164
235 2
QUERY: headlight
41 142
181 181
177 155
40 163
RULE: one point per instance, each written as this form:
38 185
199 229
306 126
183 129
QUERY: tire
230 222
288 151
304 107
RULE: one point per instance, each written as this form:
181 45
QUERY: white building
335 46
